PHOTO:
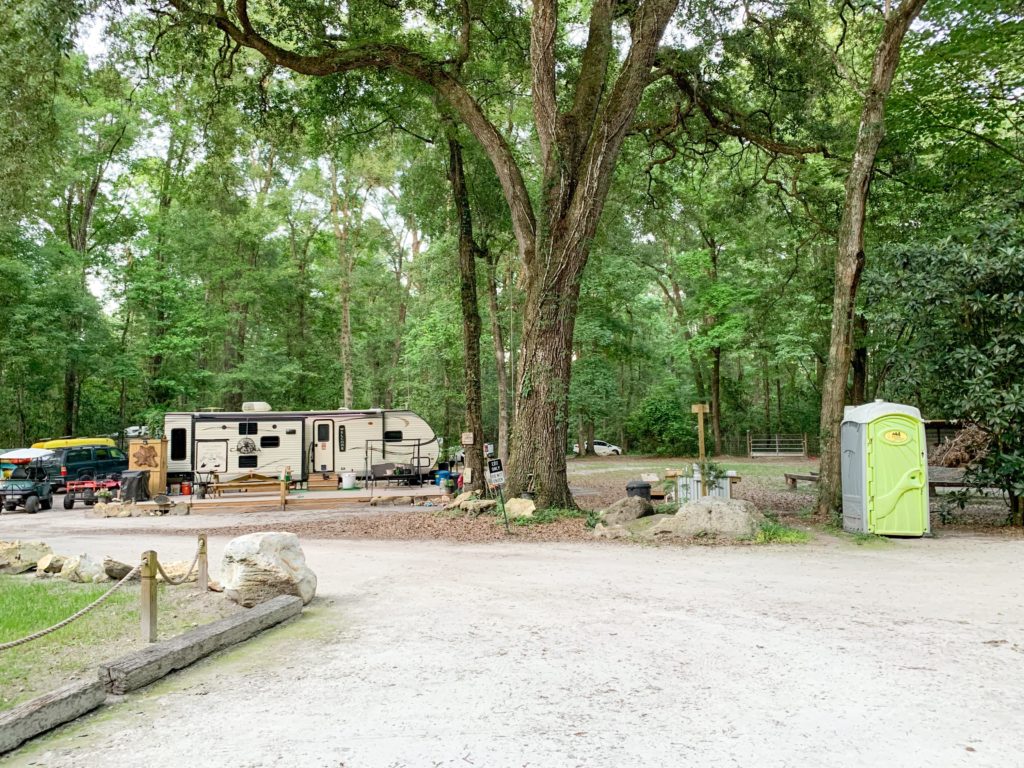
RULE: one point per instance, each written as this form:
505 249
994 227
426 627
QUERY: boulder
459 501
391 501
477 506
83 569
626 510
520 507
710 517
177 570
259 566
50 564
115 569
21 556
633 529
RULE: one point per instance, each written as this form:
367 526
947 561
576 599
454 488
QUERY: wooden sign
467 438
699 408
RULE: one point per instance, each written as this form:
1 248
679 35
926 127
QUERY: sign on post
496 472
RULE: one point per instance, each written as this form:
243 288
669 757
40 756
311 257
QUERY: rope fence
147 570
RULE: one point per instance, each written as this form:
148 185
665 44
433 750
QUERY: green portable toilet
884 470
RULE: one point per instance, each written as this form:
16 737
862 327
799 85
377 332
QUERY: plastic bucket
186 489
348 481
443 475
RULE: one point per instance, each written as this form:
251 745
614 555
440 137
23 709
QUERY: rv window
178 450
247 462
341 438
248 428
270 441
323 433
393 436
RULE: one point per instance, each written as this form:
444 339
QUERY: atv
25 488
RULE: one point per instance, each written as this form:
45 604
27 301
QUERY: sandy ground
433 654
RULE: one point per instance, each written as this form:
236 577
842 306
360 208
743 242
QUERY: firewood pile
966 447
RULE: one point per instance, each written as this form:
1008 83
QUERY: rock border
131 672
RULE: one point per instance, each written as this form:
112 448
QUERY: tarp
135 485
26 454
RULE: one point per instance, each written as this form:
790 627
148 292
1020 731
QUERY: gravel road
433 654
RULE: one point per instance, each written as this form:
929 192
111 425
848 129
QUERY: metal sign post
700 409
496 473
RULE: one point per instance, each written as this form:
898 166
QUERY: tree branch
542 65
392 58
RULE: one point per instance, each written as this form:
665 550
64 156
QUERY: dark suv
82 462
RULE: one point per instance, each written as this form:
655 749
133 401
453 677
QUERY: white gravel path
429 654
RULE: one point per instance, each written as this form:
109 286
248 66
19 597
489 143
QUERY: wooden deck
300 499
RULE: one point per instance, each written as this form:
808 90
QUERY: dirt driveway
434 654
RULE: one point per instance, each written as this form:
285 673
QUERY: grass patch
544 516
772 532
112 629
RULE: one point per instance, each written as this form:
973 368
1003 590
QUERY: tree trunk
468 250
540 433
858 393
340 221
766 398
499 360
778 404
850 253
716 398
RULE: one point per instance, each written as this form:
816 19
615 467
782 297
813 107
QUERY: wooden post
805 445
750 445
203 580
286 477
700 409
148 606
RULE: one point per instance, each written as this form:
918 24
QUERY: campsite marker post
497 476
700 409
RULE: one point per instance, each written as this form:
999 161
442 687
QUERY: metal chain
184 578
99 601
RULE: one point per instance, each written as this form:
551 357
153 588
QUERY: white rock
83 569
626 510
520 507
50 564
177 571
478 506
259 566
21 556
710 516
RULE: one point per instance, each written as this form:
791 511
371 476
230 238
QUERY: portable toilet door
896 471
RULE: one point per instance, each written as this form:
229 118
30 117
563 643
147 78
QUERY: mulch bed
420 525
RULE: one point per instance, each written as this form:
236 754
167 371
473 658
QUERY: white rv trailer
258 439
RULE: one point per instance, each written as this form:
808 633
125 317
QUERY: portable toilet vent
884 470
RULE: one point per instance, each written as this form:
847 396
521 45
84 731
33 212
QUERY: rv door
323 445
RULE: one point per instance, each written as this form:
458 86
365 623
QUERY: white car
601 448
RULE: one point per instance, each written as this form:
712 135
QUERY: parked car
601 448
26 487
83 462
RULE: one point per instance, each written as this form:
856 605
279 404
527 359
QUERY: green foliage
959 305
553 514
772 532
663 424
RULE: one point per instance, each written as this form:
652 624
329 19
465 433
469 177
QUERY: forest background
183 225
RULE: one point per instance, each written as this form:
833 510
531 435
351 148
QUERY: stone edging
139 669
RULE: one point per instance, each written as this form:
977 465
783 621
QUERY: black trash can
639 488
135 485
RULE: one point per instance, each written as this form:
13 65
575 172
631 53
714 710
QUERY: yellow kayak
69 442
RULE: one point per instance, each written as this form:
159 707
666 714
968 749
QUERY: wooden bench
251 482
792 478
